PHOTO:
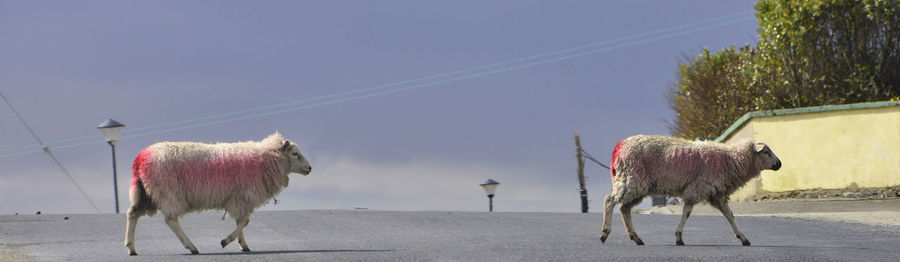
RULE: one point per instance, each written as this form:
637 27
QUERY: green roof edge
801 110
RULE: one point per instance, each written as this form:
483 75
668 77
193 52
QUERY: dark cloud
68 66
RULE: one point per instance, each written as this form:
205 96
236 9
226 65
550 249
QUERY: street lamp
489 187
111 129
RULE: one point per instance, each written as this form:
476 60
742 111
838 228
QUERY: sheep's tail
141 203
614 160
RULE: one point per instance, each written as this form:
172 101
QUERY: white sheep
693 170
181 177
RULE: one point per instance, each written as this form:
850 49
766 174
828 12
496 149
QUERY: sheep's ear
759 147
286 146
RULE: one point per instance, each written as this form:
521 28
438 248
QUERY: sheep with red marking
181 177
695 171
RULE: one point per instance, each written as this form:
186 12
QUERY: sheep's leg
723 207
172 221
131 224
608 203
626 218
685 213
243 242
239 231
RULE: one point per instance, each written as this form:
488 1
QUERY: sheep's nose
777 166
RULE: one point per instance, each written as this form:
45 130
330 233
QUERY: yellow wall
828 149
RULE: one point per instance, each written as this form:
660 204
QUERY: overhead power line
47 150
399 83
589 157
469 73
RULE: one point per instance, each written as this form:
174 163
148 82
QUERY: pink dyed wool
180 177
695 171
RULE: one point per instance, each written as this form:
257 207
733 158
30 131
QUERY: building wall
832 149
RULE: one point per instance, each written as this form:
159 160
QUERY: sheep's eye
294 153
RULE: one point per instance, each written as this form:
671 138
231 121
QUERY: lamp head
490 186
111 129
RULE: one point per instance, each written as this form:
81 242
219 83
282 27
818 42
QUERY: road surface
441 236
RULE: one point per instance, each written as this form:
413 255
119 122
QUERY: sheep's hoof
637 240
679 242
245 250
744 240
132 253
602 239
224 243
195 252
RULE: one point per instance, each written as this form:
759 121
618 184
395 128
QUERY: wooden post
491 203
580 157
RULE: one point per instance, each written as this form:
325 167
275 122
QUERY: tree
712 91
830 51
810 53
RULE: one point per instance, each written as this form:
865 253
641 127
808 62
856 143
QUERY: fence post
580 157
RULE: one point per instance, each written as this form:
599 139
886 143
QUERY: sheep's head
766 158
297 161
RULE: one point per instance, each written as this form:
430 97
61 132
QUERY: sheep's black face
767 158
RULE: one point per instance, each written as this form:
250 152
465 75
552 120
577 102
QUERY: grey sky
67 66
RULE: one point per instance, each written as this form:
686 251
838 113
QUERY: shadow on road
293 252
752 246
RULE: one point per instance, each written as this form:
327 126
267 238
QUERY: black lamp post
489 187
111 129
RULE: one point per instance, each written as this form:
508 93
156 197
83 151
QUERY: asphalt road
442 236
801 206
